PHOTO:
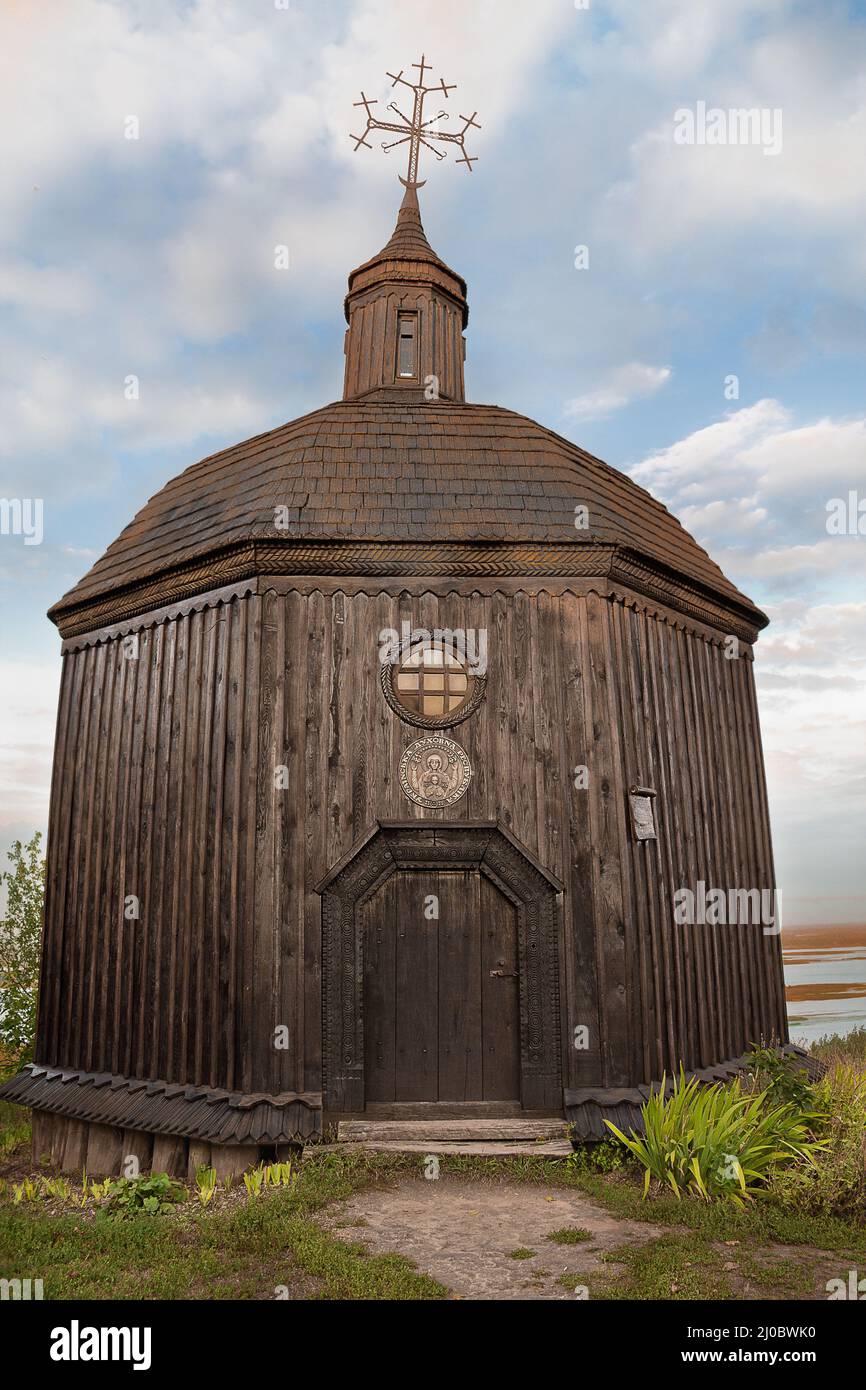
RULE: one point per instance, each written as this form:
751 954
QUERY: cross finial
414 129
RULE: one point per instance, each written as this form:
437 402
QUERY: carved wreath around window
431 687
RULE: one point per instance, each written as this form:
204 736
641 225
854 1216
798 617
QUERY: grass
570 1235
275 1246
269 1247
673 1267
836 1050
683 1266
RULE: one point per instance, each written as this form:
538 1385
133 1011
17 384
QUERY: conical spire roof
408 256
409 239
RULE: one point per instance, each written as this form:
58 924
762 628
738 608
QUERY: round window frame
389 670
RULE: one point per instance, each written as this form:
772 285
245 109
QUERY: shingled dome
261 782
386 466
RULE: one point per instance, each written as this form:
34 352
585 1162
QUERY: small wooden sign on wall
643 820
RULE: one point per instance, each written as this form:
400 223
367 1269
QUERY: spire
406 310
408 240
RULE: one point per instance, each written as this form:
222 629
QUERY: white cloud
633 381
155 257
28 709
754 489
699 201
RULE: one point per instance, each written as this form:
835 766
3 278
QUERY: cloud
28 708
752 487
696 199
155 258
633 381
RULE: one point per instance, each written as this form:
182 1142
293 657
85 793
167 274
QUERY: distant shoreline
833 934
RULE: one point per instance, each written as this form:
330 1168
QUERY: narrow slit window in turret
406 344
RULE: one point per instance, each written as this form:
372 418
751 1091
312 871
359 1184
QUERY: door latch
505 974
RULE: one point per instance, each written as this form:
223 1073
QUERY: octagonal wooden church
387 741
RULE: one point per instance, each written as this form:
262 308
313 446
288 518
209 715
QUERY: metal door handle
503 974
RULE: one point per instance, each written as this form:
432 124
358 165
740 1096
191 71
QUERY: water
825 979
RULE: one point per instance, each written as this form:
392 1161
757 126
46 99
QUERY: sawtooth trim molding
412 559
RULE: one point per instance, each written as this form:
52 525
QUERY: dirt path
465 1234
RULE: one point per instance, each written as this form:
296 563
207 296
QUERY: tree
20 940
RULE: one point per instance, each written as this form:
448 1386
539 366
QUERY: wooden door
441 990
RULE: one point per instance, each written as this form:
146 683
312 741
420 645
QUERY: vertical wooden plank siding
164 787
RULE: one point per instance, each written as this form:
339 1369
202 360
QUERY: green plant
842 1050
20 937
26 1191
780 1077
14 1127
150 1192
718 1141
205 1182
99 1190
836 1185
522 1253
608 1156
279 1175
59 1188
253 1181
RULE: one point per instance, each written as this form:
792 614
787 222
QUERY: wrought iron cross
415 129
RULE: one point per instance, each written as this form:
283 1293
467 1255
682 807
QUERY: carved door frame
495 852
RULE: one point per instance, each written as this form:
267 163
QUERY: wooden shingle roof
392 471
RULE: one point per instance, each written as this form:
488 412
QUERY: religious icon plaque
435 772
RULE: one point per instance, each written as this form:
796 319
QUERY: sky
708 338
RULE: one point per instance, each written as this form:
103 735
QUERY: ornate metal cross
416 130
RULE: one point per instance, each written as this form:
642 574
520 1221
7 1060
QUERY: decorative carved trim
631 569
514 871
411 558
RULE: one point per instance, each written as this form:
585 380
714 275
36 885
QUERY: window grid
428 684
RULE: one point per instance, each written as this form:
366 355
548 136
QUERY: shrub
836 1185
718 1141
780 1077
20 939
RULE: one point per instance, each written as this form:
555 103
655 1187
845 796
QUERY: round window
431 687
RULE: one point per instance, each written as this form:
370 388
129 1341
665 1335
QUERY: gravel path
464 1234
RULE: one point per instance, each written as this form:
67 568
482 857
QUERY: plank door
441 992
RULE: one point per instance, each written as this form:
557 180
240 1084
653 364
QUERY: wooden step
498 1131
500 1148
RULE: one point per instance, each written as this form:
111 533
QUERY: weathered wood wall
164 787
371 342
